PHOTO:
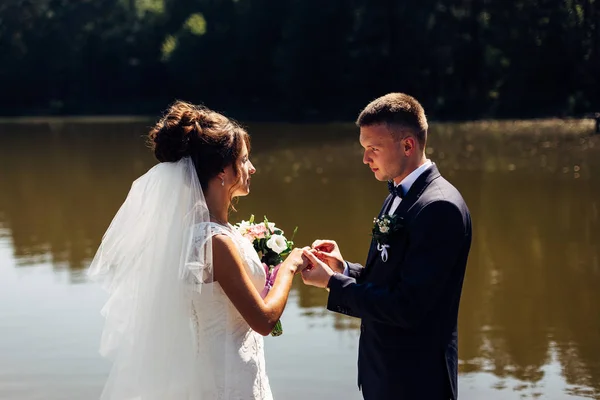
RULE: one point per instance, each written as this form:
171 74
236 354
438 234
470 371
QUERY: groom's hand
329 252
318 273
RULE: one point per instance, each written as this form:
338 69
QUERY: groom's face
382 152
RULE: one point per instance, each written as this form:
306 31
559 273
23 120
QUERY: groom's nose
366 158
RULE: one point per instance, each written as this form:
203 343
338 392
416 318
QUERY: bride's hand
296 261
329 252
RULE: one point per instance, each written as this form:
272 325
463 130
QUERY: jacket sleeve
354 273
436 240
355 270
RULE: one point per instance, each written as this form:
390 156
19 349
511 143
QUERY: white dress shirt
408 182
405 185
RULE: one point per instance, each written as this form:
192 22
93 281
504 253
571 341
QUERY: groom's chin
377 175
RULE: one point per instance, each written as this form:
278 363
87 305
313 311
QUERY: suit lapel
415 191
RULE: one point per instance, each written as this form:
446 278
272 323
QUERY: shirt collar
412 177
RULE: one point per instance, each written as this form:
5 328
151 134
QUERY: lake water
529 323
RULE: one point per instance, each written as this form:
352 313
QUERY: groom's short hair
396 110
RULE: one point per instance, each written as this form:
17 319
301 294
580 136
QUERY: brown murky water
530 311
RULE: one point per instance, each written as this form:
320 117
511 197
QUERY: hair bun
171 136
169 146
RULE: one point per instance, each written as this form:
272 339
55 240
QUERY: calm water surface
530 311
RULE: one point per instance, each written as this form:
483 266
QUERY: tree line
300 59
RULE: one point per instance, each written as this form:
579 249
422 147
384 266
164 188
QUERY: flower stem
277 329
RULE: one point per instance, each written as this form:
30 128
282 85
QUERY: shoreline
520 122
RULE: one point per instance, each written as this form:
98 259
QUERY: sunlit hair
212 140
399 111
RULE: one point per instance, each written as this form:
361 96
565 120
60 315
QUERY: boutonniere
383 228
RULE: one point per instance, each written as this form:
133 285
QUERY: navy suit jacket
409 304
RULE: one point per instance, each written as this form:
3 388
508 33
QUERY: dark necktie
395 190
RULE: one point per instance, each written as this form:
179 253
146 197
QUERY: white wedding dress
170 331
232 352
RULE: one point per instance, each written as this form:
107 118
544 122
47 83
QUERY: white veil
156 252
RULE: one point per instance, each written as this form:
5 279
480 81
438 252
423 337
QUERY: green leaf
293 235
277 329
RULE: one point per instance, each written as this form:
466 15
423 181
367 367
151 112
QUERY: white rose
277 243
384 229
243 227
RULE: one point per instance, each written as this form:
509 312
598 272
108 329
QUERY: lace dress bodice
231 354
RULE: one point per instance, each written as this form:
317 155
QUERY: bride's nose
251 170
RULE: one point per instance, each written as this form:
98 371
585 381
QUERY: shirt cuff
346 269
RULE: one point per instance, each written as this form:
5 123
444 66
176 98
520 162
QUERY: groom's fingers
316 243
324 245
312 258
327 258
332 260
324 254
306 275
319 255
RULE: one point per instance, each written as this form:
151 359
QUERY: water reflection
61 185
531 289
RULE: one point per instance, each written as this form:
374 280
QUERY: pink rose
257 231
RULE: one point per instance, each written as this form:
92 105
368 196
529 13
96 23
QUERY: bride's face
242 181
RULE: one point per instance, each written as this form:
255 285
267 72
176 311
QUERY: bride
184 317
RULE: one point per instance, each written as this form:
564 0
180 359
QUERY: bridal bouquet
272 248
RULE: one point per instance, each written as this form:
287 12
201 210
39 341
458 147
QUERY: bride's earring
222 182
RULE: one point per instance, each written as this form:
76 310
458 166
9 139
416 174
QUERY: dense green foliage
300 59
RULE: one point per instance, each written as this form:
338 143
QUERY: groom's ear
409 144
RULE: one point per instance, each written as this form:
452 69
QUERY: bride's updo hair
212 140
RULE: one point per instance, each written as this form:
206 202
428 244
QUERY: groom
407 295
